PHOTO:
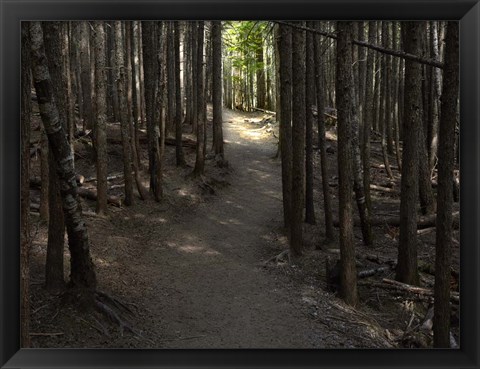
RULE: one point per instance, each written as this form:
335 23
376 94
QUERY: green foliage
243 40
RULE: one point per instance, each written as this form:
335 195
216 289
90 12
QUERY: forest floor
192 268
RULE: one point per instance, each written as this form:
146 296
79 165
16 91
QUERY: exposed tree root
114 317
280 258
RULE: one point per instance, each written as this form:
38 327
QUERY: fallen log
92 195
454 296
109 178
422 222
383 189
37 181
186 142
35 208
265 111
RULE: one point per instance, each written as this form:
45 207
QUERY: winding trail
206 285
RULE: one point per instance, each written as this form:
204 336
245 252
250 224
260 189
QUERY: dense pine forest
240 184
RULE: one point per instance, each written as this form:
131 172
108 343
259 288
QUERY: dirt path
207 289
192 266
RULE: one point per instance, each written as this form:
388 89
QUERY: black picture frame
12 12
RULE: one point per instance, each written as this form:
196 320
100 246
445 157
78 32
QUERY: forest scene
240 184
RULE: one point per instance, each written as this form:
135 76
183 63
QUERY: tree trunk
149 43
298 141
54 279
101 134
446 153
368 115
124 120
200 151
285 53
344 86
136 93
217 87
130 87
260 74
82 274
85 76
320 89
26 110
170 78
180 157
407 248
309 102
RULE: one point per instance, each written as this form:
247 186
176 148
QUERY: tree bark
200 152
285 54
54 279
82 274
130 87
124 119
320 90
309 102
407 249
26 110
149 43
344 82
180 157
368 116
101 134
298 141
446 153
85 76
170 78
217 87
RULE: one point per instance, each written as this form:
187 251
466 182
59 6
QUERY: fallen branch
454 296
422 222
265 111
278 258
168 141
92 195
382 189
47 334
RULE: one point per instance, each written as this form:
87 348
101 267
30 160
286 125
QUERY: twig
181 339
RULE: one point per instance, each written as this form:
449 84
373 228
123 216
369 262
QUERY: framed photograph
239 184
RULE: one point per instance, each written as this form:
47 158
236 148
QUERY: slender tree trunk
101 95
320 89
124 120
407 248
44 191
436 81
441 318
427 198
54 279
217 87
141 74
200 157
344 88
368 115
260 74
136 93
130 87
180 157
397 67
298 141
170 78
194 49
85 76
285 53
150 75
26 110
82 273
309 102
